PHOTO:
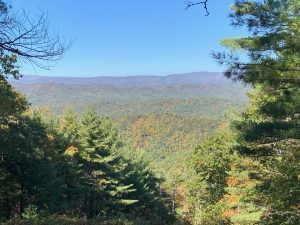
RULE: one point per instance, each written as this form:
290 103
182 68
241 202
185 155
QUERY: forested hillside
208 92
164 120
184 149
131 81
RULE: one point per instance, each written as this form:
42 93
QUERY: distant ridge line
135 80
127 76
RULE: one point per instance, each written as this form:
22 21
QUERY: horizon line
119 76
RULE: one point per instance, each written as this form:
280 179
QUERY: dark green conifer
269 130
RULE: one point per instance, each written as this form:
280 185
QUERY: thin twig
204 3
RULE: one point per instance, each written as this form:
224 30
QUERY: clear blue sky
133 37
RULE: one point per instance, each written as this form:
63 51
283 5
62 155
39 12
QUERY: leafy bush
65 220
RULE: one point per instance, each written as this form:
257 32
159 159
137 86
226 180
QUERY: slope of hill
165 117
194 94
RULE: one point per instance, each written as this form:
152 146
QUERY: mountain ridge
127 81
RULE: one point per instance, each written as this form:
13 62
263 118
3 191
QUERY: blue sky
133 37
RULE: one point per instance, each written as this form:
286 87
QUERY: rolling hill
165 117
193 94
131 81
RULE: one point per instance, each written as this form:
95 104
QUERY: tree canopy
262 182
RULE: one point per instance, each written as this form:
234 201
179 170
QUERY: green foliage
12 103
66 220
260 185
94 179
267 133
107 188
239 201
210 162
69 126
197 100
68 166
149 193
210 215
81 167
8 67
166 122
281 186
30 212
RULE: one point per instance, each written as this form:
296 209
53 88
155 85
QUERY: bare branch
29 39
191 3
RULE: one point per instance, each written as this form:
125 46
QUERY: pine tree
210 163
153 203
238 205
107 188
269 130
69 125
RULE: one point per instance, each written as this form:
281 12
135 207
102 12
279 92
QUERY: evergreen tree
106 188
269 130
29 167
69 126
237 204
153 203
210 162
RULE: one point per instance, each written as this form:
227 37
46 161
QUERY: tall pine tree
106 188
269 130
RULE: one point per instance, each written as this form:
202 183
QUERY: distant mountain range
165 117
199 94
131 81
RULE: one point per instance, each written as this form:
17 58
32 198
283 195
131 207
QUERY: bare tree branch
29 39
191 3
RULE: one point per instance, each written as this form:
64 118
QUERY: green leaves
210 161
8 66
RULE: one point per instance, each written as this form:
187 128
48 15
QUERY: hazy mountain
192 94
131 81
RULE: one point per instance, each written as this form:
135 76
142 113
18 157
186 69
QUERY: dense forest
192 95
180 150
